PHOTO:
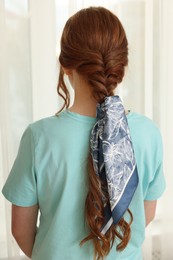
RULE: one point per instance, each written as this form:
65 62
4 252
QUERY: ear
68 72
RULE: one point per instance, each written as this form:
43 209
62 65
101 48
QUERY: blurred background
30 31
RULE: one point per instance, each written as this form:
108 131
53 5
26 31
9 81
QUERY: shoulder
142 125
142 121
41 129
44 121
145 134
44 124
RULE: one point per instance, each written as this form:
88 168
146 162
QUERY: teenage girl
94 170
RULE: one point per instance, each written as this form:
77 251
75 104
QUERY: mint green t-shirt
51 170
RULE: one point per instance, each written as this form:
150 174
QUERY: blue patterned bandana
113 159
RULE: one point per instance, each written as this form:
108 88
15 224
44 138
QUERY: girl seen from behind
94 170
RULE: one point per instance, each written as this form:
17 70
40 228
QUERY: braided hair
94 43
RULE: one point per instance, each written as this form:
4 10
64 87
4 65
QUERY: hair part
94 44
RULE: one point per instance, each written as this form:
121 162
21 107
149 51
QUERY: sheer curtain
27 86
15 99
29 32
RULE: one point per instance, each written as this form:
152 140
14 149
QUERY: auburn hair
94 44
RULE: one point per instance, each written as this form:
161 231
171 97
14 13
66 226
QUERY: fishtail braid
94 44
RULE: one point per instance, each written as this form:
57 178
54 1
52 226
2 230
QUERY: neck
84 105
84 102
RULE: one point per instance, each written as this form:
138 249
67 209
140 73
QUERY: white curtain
30 32
15 100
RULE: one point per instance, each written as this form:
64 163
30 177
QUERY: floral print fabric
114 159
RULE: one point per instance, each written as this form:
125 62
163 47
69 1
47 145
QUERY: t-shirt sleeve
20 188
157 184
